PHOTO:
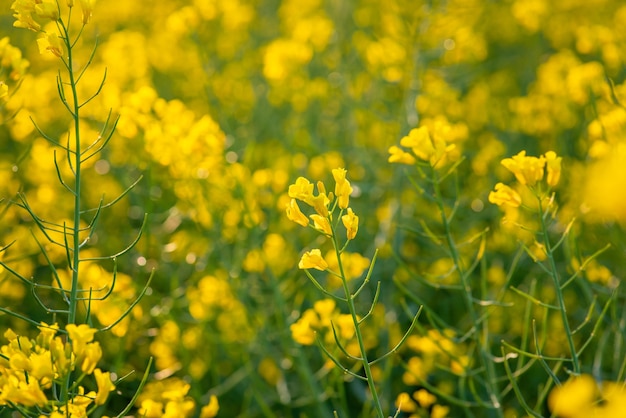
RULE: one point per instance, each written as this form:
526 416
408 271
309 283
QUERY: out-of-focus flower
527 170
87 8
47 9
302 190
504 195
553 165
398 155
211 409
575 398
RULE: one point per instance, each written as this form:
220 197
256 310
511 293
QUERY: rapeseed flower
527 170
504 195
313 259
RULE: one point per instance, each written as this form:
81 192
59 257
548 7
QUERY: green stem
75 261
77 195
557 288
359 336
481 341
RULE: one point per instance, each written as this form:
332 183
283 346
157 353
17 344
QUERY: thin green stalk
557 287
76 165
359 336
467 293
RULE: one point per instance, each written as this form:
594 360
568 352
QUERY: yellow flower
313 260
398 155
302 330
211 409
342 187
50 42
80 336
4 89
439 411
48 9
294 214
575 398
23 10
420 142
527 170
90 357
322 224
351 222
553 164
320 204
302 190
504 195
87 7
105 386
424 398
404 403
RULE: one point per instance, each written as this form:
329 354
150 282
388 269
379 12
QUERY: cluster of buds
528 171
31 368
324 204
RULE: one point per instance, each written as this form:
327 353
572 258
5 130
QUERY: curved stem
357 328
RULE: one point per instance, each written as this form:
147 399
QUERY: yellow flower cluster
420 402
318 319
528 171
324 205
168 399
36 15
30 370
429 145
435 348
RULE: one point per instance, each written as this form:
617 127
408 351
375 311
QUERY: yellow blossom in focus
504 195
553 165
398 155
105 386
313 260
294 214
302 190
527 170
320 204
80 335
342 187
351 222
90 357
322 224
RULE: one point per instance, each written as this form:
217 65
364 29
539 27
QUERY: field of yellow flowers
312 208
